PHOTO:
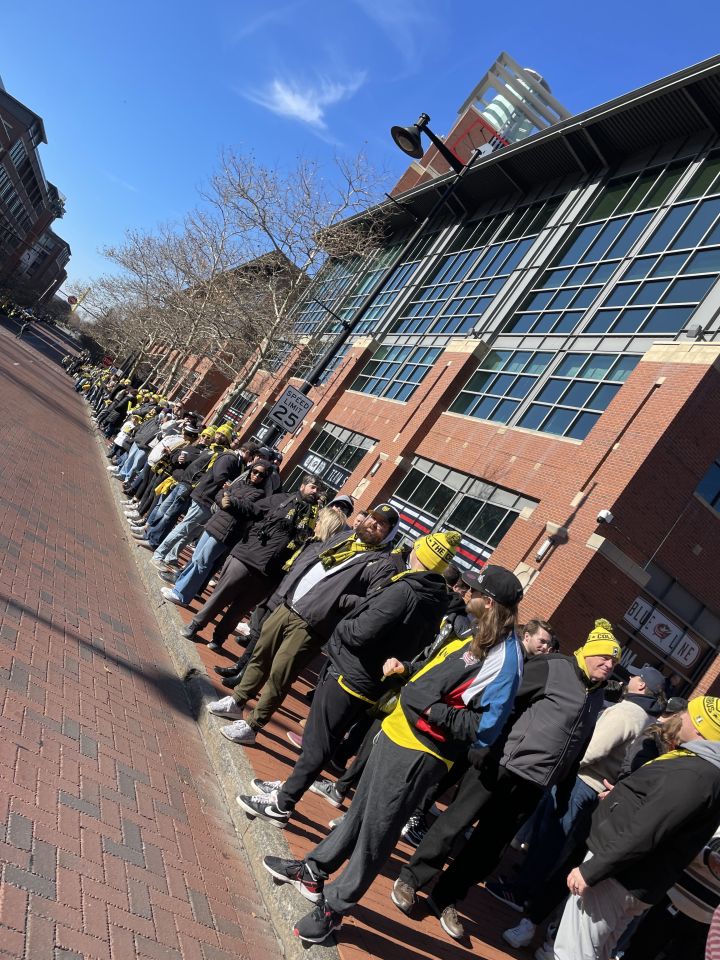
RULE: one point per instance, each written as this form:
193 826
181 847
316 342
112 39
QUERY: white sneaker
521 935
212 583
113 469
132 514
225 707
243 629
170 595
239 732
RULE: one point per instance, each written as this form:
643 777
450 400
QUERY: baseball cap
344 503
471 579
386 513
499 584
654 680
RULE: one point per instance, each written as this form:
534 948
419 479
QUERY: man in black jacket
254 566
325 582
554 714
399 617
642 837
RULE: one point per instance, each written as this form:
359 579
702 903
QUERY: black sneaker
505 893
328 790
414 830
264 807
169 576
216 645
226 671
317 926
297 874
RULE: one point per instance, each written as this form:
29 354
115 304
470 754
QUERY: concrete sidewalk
115 837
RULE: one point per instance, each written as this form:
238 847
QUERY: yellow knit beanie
436 550
226 430
601 642
705 716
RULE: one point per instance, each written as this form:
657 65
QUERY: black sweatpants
355 770
239 588
502 802
332 713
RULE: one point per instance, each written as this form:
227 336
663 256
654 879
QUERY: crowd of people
446 723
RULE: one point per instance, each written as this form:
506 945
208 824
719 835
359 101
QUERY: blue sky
139 98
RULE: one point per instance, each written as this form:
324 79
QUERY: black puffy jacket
225 469
230 524
287 518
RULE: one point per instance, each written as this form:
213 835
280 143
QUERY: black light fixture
409 139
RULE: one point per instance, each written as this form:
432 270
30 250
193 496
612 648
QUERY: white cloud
307 103
408 24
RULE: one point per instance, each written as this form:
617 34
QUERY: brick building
32 256
548 349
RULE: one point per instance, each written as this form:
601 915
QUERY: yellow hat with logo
226 430
436 550
705 716
601 642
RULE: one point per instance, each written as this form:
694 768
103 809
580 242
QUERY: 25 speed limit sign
291 409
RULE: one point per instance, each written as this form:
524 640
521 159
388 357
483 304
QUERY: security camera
605 517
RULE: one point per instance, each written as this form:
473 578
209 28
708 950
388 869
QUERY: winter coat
326 603
146 432
553 719
286 519
177 469
397 619
225 469
654 822
617 726
230 524
456 700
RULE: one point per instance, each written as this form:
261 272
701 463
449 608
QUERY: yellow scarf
671 754
344 551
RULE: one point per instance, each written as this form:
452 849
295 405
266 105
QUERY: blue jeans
165 515
206 554
182 533
135 461
552 828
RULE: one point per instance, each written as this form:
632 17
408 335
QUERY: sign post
290 410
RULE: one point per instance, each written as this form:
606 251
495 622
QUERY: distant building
32 256
547 350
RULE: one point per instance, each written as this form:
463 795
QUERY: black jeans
502 801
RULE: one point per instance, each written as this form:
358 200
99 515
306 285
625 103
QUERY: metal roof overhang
675 106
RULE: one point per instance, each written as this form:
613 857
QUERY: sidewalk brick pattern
115 841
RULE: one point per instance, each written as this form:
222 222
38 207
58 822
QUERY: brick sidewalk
115 841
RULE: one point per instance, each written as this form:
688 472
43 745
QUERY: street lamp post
408 140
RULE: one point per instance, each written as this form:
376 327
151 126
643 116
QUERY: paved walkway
115 841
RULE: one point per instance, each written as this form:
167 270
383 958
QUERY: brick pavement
115 839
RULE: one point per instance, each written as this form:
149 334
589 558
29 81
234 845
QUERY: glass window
709 487
333 455
398 376
496 398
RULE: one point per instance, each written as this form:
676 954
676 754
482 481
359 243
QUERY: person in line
460 698
642 838
401 615
560 817
237 510
325 582
253 568
555 713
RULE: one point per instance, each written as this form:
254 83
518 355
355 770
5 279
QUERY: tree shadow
170 687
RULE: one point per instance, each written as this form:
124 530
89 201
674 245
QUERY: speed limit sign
290 410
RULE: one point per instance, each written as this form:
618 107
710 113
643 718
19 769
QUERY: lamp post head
408 138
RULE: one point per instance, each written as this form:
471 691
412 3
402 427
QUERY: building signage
662 632
290 410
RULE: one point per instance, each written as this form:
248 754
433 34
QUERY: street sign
72 301
290 410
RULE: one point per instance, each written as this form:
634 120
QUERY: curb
230 764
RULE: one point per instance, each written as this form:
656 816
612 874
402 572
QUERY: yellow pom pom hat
436 550
226 430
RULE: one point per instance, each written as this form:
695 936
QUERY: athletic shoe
265 787
145 545
403 896
212 583
169 576
226 707
295 739
216 645
449 919
239 732
297 874
545 952
226 671
132 514
505 893
189 631
327 789
265 808
137 527
522 935
160 564
129 504
138 534
170 595
242 629
336 821
113 469
414 830
317 926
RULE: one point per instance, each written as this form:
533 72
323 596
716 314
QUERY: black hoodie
397 619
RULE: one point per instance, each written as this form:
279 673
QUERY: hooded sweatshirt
616 728
655 821
397 619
